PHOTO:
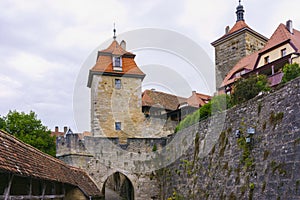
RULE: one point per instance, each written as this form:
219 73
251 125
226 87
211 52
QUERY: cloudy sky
45 43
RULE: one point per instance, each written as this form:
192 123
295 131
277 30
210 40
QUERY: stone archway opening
118 187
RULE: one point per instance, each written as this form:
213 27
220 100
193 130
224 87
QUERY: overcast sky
45 43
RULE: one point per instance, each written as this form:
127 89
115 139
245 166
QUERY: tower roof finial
114 37
240 12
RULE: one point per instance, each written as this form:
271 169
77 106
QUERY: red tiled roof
105 64
22 159
197 100
247 63
156 98
116 49
238 26
280 35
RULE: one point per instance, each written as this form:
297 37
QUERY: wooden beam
7 190
34 196
44 190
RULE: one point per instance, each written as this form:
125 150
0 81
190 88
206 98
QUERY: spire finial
240 12
114 32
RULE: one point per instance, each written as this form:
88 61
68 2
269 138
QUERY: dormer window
117 63
267 59
283 52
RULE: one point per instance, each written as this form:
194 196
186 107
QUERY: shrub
290 72
218 103
245 89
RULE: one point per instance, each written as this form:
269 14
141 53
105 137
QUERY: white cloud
31 65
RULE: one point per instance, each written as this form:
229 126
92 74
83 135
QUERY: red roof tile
19 158
280 35
156 98
247 63
197 100
238 26
105 64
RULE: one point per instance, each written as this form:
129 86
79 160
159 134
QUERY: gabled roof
161 99
19 158
104 63
197 99
116 49
281 35
249 62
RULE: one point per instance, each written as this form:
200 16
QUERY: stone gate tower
115 82
238 42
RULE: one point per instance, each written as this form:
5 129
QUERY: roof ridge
13 138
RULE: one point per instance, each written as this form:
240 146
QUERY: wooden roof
24 160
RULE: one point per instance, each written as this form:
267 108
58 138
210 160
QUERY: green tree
218 103
245 89
290 72
30 130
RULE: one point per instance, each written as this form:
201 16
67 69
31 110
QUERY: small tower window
117 63
267 59
118 126
283 52
118 83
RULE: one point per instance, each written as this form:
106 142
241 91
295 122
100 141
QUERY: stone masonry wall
110 105
266 168
230 51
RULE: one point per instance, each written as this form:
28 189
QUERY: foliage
30 130
218 103
176 196
154 148
290 72
245 89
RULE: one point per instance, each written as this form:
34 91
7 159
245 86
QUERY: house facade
282 48
237 42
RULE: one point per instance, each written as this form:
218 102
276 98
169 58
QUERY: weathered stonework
110 105
267 168
230 49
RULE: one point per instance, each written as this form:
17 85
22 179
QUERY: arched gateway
118 185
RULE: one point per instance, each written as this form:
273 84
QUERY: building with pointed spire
115 81
236 43
282 48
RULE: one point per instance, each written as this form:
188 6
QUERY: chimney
56 129
123 44
193 92
152 89
227 29
65 129
289 26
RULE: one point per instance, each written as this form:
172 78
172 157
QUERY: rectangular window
267 59
117 63
283 52
118 126
118 83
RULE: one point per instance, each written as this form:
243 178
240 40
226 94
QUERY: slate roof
24 160
280 36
